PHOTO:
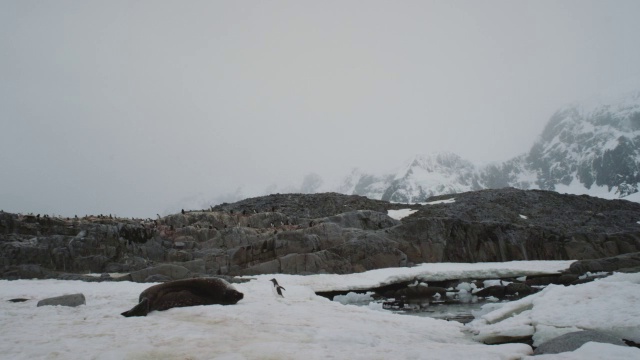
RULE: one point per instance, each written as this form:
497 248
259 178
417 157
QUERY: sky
139 107
304 325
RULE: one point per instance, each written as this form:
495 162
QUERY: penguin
182 211
277 289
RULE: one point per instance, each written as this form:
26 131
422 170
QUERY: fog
142 107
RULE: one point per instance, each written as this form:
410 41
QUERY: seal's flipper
142 309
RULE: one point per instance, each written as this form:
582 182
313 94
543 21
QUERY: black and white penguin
277 289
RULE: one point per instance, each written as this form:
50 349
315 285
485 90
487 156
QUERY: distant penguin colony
277 289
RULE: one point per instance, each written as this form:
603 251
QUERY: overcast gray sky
134 107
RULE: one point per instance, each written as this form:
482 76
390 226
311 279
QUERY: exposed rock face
511 224
318 233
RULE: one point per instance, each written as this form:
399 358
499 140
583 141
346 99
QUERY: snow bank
400 214
424 272
435 202
608 305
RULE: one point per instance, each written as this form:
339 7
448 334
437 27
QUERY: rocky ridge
320 233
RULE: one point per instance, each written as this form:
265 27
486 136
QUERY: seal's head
232 296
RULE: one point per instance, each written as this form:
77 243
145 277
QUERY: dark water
443 310
460 312
451 308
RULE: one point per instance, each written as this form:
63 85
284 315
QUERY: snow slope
302 326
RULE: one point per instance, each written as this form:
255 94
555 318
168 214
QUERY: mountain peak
592 147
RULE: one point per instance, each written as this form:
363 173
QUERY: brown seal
189 292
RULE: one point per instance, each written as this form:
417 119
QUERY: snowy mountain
592 146
421 177
588 148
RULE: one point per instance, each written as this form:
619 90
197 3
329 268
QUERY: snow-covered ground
605 304
423 272
400 214
301 326
403 213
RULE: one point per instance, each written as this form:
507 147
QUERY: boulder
420 292
361 219
519 289
173 272
71 300
573 340
157 278
613 263
497 291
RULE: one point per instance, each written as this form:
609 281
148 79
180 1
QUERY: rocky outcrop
71 300
620 263
511 224
573 340
321 233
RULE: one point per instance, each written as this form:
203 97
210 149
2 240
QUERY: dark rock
497 291
485 226
420 292
311 206
17 300
518 289
173 272
559 279
614 263
361 219
72 300
157 278
574 340
629 269
542 280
